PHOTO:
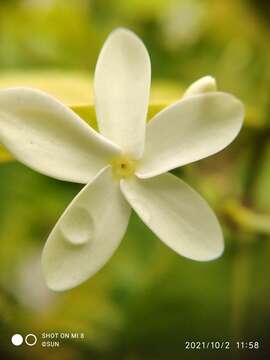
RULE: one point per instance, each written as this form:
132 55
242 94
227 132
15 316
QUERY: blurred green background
147 301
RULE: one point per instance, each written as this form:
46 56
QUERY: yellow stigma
123 166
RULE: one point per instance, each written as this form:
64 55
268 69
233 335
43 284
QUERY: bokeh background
147 301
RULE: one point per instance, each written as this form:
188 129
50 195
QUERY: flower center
123 166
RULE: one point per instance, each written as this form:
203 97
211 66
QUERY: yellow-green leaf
75 90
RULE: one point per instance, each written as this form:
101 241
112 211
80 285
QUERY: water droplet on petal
142 208
77 227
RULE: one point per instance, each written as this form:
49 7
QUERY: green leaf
75 90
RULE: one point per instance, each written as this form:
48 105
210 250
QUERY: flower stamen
123 166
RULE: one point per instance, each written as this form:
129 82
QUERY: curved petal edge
87 234
193 128
178 215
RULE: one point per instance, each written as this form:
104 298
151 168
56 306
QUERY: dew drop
77 227
142 208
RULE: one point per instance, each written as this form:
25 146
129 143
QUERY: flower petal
190 130
203 85
121 88
177 215
45 135
87 234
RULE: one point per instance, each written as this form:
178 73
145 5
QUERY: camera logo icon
29 339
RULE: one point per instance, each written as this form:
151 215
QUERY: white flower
126 165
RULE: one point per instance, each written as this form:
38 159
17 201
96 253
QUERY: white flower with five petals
126 165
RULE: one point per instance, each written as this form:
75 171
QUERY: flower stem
243 256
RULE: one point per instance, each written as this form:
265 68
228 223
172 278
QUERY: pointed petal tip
55 286
238 103
58 287
56 281
205 84
210 79
123 30
209 253
213 254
